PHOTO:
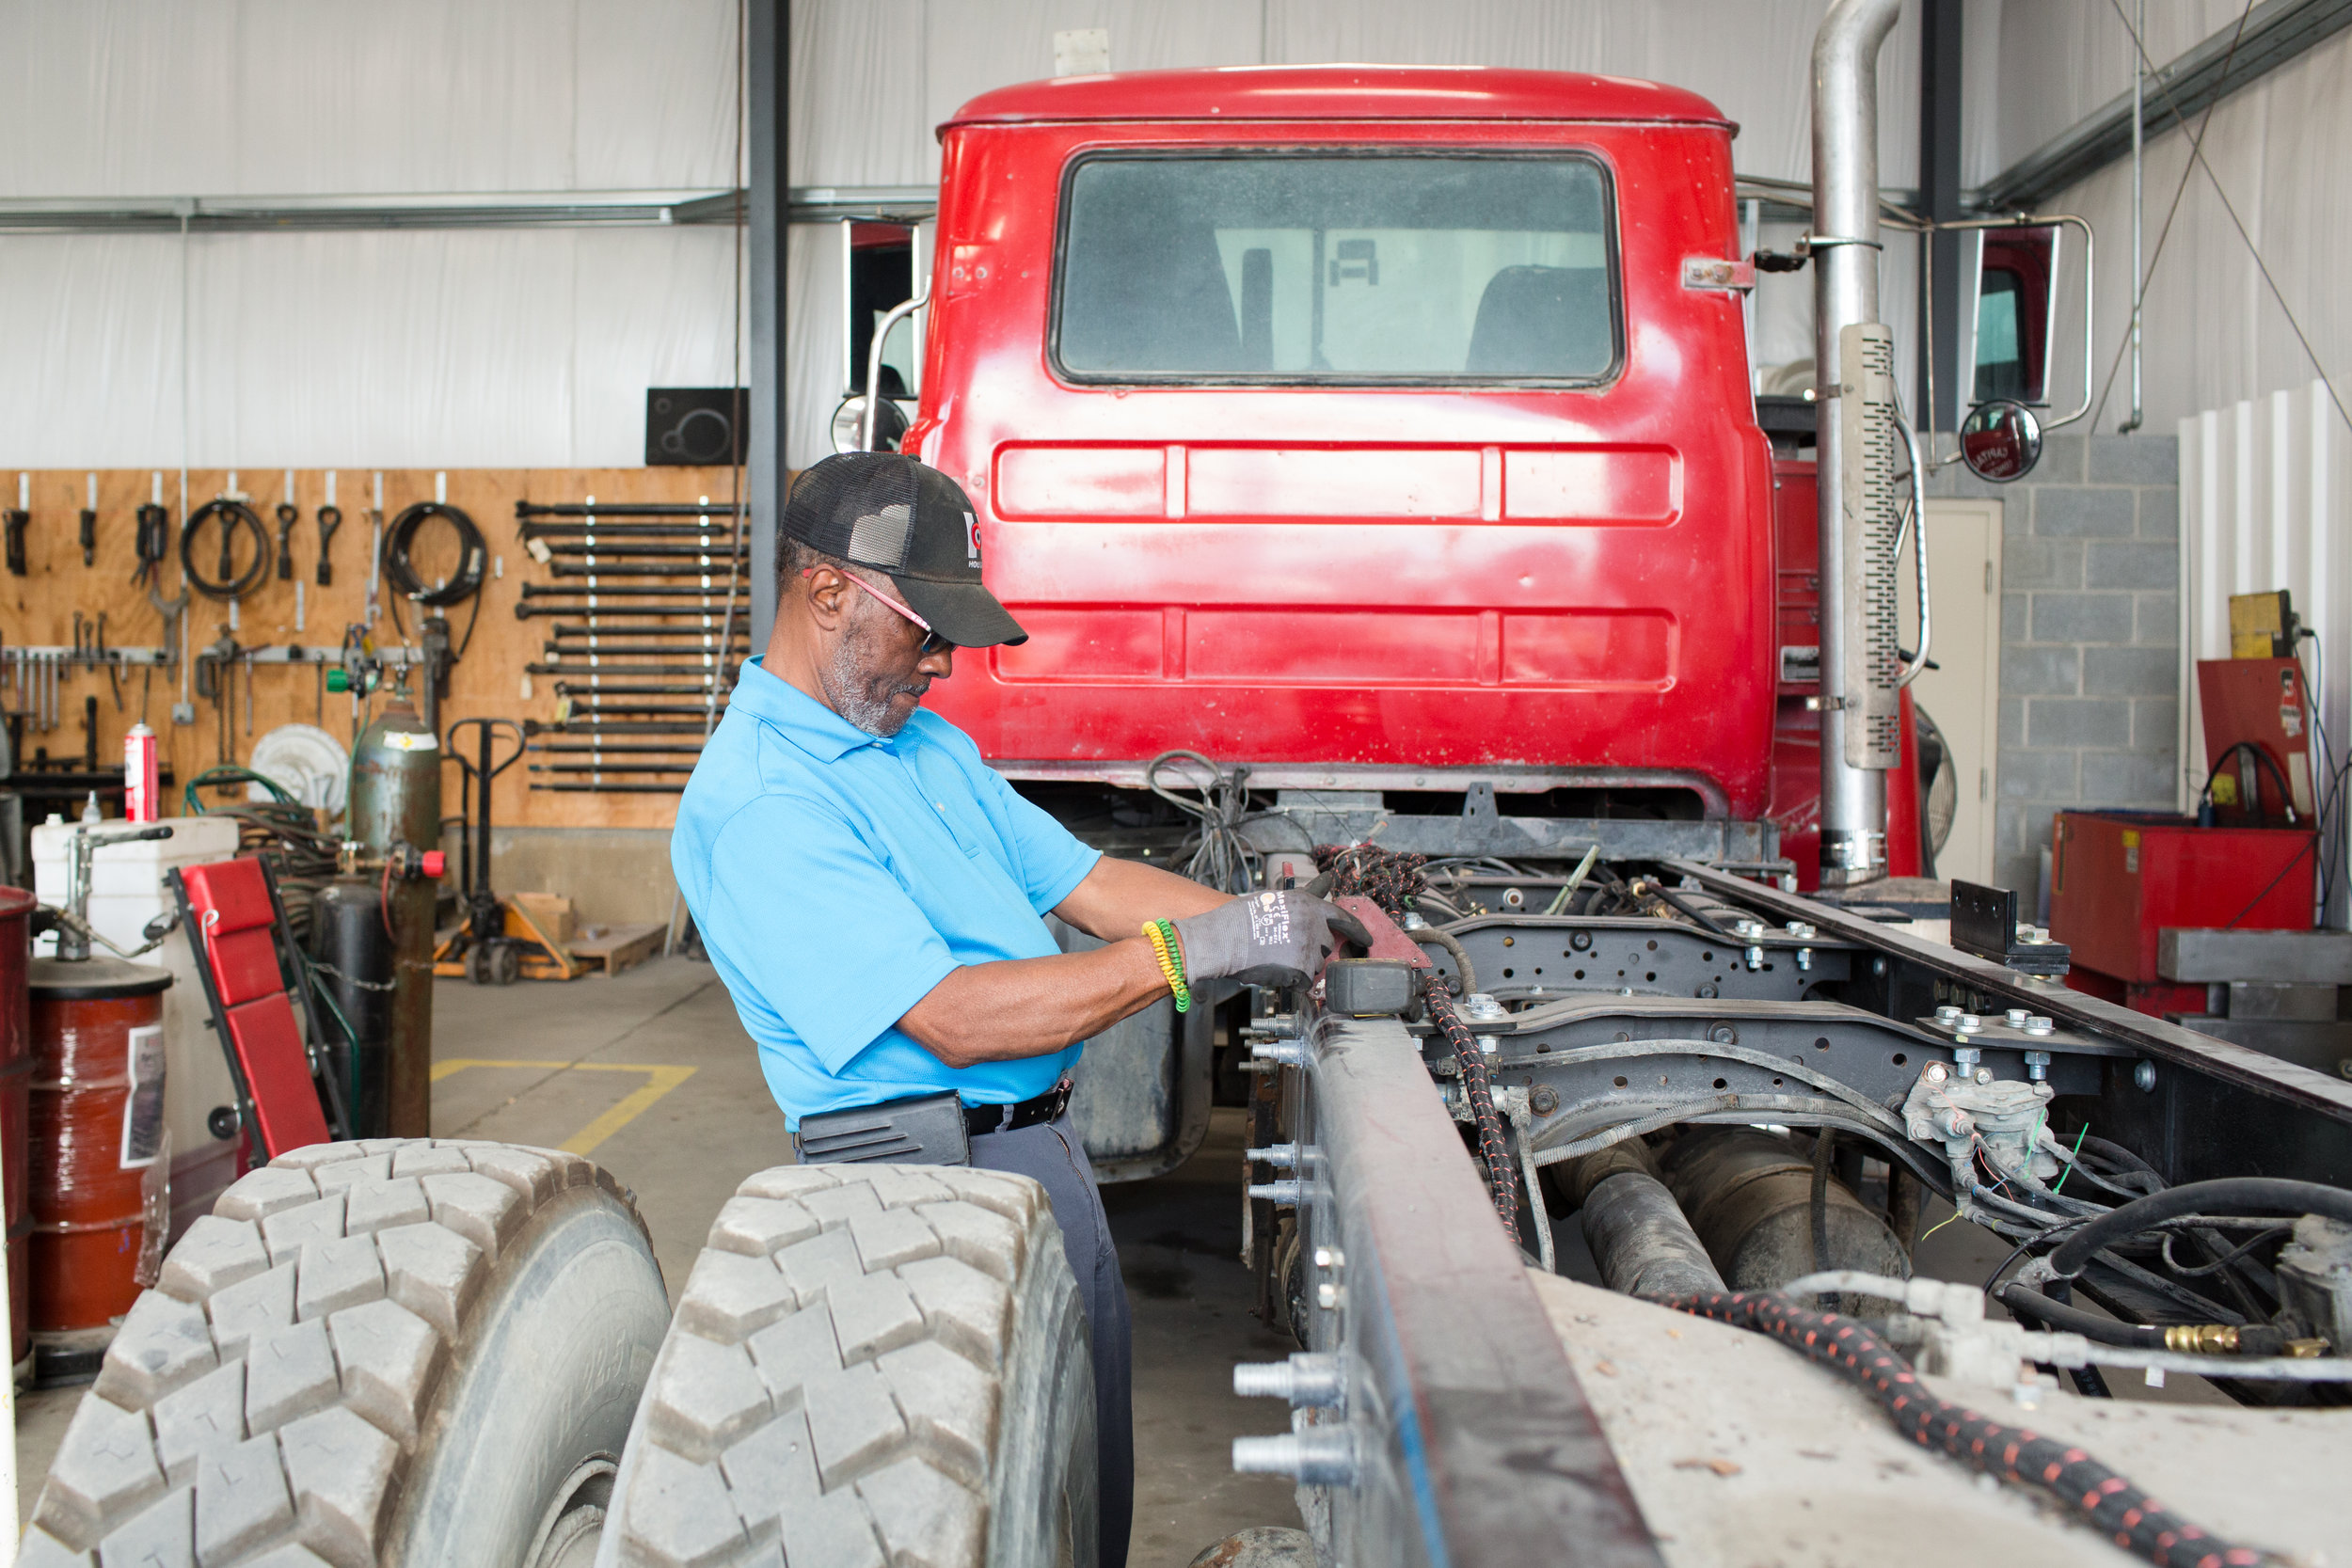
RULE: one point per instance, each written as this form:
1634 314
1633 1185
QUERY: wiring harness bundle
1219 856
2104 1500
1501 1182
1391 878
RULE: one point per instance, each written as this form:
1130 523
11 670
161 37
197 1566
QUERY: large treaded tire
871 1365
392 1351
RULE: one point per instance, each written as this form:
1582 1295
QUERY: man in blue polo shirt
872 892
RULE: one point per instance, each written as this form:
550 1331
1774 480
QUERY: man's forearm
1022 1007
1117 897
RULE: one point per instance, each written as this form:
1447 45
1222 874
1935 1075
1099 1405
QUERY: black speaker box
695 426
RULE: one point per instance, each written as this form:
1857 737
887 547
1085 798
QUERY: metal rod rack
600 568
628 509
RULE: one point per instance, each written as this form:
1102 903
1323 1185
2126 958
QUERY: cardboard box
550 912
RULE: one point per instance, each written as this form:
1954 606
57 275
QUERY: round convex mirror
848 424
2000 440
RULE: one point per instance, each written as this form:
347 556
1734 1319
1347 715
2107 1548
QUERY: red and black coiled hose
1501 1181
2104 1500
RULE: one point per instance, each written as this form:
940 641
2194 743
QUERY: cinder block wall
2090 635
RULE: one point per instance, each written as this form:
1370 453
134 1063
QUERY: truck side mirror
2000 441
848 423
2012 313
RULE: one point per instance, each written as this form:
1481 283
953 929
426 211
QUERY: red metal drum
16 1073
97 1127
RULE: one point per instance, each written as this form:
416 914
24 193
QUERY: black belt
979 1120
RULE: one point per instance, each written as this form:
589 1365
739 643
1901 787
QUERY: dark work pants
1054 1156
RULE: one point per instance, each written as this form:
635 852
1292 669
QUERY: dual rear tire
428 1352
871 1365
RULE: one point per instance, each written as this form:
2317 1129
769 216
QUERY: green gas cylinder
396 802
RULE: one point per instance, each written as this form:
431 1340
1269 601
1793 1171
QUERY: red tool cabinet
2119 877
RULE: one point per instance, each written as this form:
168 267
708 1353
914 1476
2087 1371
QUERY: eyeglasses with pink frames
933 641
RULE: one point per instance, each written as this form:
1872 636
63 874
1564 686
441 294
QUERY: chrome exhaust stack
1859 429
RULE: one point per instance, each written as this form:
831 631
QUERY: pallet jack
498 943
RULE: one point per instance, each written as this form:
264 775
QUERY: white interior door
1964 692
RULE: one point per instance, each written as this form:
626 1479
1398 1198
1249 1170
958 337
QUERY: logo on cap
971 542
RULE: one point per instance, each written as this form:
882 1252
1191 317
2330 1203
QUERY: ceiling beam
2275 32
254 214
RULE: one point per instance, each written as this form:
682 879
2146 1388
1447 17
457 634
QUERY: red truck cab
1387 433
1382 429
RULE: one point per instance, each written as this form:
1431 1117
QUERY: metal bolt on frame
1320 1456
1305 1379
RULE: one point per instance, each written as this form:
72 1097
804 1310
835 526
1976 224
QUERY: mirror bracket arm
873 362
1917 527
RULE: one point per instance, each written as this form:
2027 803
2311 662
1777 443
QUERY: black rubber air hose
229 516
2039 1309
463 584
2229 1194
2253 807
401 538
1708 922
2103 1500
1429 936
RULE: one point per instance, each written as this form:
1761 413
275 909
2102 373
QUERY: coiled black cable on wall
465 583
227 582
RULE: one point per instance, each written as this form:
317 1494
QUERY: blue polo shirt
836 877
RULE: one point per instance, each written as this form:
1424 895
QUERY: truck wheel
395 1352
871 1364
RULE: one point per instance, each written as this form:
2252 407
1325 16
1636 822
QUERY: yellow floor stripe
659 1082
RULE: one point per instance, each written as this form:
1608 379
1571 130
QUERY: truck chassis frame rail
1436 1418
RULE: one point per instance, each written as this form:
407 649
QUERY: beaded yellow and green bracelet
1171 956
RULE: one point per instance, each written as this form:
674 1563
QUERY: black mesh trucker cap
886 510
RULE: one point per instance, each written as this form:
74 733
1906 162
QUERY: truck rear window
1311 267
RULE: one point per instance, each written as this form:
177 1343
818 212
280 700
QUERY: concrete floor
599 1060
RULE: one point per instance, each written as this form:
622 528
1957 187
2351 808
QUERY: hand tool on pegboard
13 521
114 665
330 518
215 680
89 525
152 540
375 554
288 515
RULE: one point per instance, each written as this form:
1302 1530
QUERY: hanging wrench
288 513
330 518
170 609
113 664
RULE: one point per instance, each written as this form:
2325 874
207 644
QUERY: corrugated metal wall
2266 503
533 348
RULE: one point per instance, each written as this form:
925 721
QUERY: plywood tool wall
40 607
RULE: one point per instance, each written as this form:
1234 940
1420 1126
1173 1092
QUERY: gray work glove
1266 939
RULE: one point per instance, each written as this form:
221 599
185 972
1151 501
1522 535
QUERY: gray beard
866 700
